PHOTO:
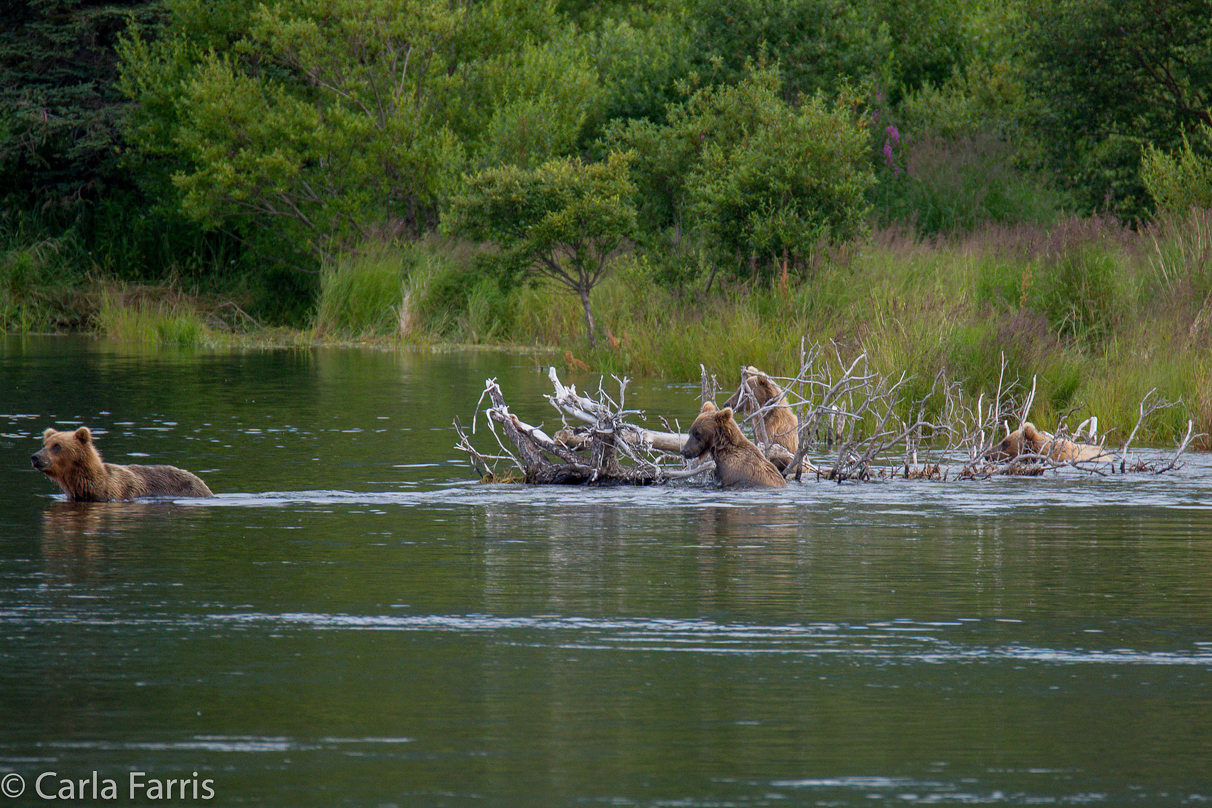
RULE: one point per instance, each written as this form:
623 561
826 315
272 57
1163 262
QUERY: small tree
759 182
563 220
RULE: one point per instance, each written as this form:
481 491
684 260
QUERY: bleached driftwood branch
600 447
852 424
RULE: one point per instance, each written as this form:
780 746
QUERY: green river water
355 621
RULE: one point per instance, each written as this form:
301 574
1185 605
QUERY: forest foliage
244 148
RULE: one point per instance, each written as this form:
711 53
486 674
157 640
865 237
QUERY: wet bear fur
737 461
71 459
1029 440
778 424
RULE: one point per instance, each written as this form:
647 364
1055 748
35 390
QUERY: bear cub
1029 440
778 423
71 459
737 461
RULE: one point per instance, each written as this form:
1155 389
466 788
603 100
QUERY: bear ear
1029 431
48 433
83 435
724 414
708 406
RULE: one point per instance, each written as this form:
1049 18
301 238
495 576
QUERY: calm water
354 621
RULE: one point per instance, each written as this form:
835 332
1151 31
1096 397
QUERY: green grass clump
145 319
361 295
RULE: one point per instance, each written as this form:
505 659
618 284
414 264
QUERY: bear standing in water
71 459
737 461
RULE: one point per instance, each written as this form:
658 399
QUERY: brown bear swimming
778 423
72 460
1029 440
737 461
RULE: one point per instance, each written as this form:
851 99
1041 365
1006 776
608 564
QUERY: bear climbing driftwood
856 424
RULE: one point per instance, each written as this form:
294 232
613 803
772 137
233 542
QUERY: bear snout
37 460
692 448
1000 451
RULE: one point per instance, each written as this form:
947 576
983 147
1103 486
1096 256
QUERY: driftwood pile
851 424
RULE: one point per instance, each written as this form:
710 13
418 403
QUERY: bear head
1024 440
65 454
761 391
711 429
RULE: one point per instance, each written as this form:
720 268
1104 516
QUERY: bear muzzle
39 462
999 452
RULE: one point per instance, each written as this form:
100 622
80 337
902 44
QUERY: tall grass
1098 315
37 286
149 319
361 295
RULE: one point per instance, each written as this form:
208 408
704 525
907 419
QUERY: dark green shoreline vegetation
636 188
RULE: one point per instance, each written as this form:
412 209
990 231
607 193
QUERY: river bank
1098 315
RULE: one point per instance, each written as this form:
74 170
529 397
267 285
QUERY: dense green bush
758 182
817 44
640 66
783 190
1111 77
1180 180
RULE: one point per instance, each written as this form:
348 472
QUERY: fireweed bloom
892 138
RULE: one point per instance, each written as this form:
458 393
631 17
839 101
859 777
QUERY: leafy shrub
819 45
983 100
541 97
640 65
758 181
1180 180
794 183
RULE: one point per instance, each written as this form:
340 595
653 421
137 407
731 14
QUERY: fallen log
872 431
605 449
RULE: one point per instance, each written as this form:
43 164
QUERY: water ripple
878 642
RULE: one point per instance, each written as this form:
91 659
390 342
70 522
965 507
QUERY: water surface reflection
354 621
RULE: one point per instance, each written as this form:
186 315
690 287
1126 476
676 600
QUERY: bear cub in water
737 461
71 459
1029 440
